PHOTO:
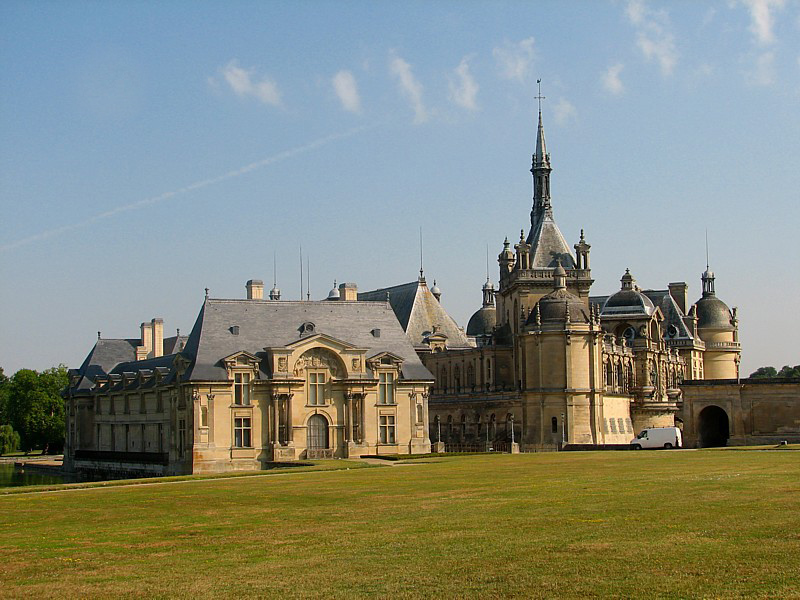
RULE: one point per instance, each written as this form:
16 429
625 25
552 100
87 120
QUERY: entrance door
317 433
713 427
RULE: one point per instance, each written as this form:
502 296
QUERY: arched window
457 379
554 425
470 376
443 379
620 378
493 425
609 375
463 427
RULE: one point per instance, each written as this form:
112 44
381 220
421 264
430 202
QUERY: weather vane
540 97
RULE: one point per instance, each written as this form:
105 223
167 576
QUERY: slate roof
662 299
418 311
267 323
548 246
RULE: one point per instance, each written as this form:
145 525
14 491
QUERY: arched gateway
713 427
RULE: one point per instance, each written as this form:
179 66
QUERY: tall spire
540 168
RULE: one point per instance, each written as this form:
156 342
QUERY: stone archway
317 433
713 427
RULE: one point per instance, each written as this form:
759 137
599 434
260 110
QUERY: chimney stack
157 327
680 294
348 292
255 289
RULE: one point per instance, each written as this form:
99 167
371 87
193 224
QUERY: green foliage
764 373
35 408
3 396
769 372
788 371
9 439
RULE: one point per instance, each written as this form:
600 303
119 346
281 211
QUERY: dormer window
241 389
386 388
307 328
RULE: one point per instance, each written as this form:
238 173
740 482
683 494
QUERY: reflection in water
9 477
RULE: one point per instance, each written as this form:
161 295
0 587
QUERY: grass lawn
692 524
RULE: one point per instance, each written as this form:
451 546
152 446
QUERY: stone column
348 409
276 415
289 426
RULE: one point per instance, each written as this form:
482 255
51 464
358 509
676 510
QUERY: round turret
559 306
482 322
334 293
436 291
628 300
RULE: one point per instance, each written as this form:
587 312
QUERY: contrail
189 188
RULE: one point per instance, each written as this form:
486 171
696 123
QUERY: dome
482 322
436 291
713 313
334 293
554 306
629 300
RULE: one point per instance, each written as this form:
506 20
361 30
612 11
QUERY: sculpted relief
318 358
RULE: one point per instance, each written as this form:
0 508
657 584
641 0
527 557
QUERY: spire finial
274 269
308 278
706 248
487 263
206 293
540 97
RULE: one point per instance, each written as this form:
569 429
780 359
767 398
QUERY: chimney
147 341
157 327
348 292
255 289
680 294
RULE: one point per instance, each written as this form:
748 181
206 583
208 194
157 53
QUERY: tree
3 397
788 371
9 439
35 407
764 373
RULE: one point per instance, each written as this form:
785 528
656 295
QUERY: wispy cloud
611 81
653 35
270 160
244 83
564 111
515 59
410 87
463 87
347 90
762 19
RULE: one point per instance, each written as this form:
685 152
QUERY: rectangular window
241 389
203 416
316 388
386 388
613 424
387 429
241 432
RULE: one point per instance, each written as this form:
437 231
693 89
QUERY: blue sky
149 150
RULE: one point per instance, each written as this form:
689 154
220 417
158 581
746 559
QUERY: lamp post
438 430
512 430
563 430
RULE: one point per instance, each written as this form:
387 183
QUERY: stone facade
257 381
570 368
744 412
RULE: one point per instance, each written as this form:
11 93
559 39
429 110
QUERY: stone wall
742 412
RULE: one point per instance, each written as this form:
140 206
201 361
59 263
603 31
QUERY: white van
658 437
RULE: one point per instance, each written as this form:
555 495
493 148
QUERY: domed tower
718 327
562 344
482 323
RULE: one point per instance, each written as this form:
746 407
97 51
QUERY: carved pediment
319 358
385 359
